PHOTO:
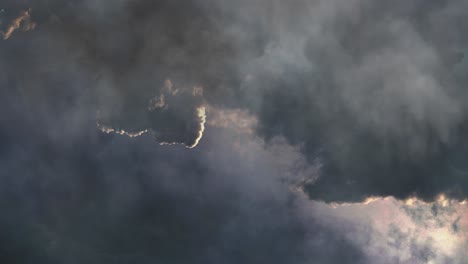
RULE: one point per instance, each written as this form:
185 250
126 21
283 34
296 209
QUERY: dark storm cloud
373 90
126 50
72 194
99 198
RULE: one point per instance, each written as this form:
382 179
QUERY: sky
248 131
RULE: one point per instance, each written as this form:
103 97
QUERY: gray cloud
347 99
105 198
372 89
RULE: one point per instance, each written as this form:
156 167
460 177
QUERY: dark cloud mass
100 198
375 90
349 99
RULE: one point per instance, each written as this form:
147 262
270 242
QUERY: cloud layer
339 100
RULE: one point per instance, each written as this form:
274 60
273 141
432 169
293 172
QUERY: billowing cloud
304 114
375 91
96 197
411 231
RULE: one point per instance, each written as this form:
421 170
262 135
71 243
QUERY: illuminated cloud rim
22 21
173 117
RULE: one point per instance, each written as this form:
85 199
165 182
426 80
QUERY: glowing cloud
201 113
174 116
23 21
